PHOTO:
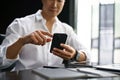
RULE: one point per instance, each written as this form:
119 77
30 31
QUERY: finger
47 33
66 47
49 39
62 52
60 55
38 37
34 40
43 37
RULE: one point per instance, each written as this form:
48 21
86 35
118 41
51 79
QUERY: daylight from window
98 29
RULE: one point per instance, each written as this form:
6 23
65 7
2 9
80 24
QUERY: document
99 73
58 73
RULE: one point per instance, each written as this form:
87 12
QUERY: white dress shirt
35 56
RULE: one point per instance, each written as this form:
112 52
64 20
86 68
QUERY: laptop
109 67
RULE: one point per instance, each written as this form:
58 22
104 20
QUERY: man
26 40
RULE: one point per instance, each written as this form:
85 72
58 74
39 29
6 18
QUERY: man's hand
67 53
38 37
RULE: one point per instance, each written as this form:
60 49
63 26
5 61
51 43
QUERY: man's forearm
13 50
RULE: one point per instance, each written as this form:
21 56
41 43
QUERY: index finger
66 47
47 33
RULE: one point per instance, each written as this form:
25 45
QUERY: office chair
2 37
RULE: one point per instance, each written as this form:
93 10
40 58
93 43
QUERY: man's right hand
38 37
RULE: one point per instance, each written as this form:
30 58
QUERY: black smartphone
58 38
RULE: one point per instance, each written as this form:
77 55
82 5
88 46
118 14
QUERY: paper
96 72
58 73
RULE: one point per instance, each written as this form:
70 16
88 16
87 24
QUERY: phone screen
58 38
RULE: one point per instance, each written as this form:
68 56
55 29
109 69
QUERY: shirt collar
39 16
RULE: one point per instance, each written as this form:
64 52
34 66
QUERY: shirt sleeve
4 62
74 41
11 36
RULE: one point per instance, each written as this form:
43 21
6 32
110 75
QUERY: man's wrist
77 56
21 41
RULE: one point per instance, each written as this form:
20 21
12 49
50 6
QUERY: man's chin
54 15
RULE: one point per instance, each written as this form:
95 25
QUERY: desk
29 75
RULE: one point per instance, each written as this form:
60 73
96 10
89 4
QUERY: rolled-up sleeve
4 62
11 36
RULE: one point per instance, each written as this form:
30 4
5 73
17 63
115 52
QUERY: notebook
57 73
110 67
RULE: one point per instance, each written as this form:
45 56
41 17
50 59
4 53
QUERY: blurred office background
97 23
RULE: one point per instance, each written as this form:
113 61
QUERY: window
99 20
106 33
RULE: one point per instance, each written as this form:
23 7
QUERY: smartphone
58 38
